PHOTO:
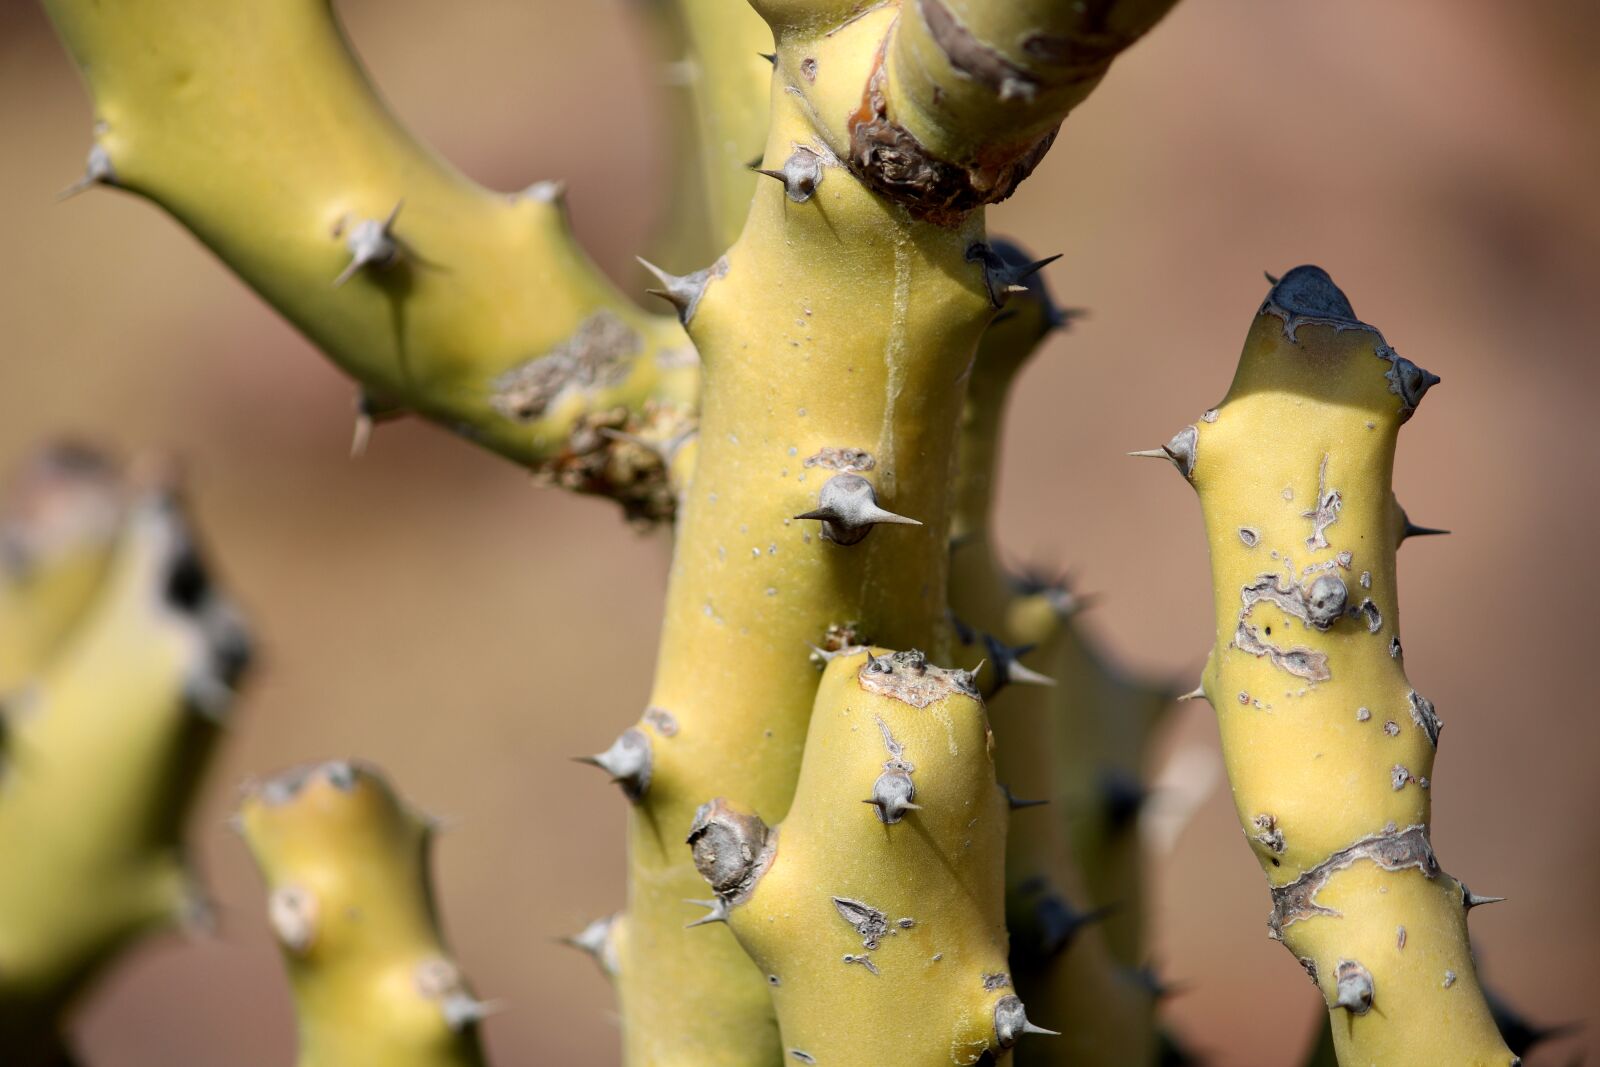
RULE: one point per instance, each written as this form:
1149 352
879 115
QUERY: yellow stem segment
345 862
879 926
1328 747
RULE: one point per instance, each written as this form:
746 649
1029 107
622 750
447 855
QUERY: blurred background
427 609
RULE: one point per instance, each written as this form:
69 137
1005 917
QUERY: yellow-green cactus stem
835 337
1328 747
351 904
58 523
254 125
879 926
1059 956
103 754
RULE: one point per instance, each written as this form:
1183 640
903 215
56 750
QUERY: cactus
349 899
135 656
806 409
1329 748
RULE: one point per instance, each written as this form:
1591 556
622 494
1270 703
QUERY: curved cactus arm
1328 747
1059 955
102 757
255 127
350 901
58 524
879 926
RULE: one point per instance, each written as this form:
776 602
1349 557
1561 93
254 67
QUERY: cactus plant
816 409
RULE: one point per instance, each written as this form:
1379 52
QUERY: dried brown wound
890 161
1392 850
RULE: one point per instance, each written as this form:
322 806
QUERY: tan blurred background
427 609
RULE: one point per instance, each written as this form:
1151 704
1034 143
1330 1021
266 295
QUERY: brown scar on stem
611 453
998 980
892 162
1267 833
842 459
1391 850
598 355
863 959
1424 716
910 678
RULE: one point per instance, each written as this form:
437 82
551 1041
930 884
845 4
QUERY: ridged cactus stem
102 755
1328 747
254 126
879 927
1059 956
351 903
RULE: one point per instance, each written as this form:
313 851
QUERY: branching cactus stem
881 942
1328 747
351 904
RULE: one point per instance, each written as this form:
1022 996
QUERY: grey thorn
801 174
1470 900
1355 990
717 912
1197 693
371 243
1011 1022
848 508
682 291
892 796
97 170
1181 451
627 761
1016 803
1008 666
462 1010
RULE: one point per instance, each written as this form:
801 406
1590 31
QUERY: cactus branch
349 899
103 753
1328 747
255 127
880 943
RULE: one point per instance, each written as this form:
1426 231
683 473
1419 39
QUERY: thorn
462 1010
893 793
547 191
1470 900
1008 667
681 291
1180 451
1413 530
1151 982
1272 279
964 633
1016 804
848 508
362 436
1123 795
770 57
1004 271
371 243
1355 990
627 761
595 940
97 170
1197 693
801 174
1011 1022
718 912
